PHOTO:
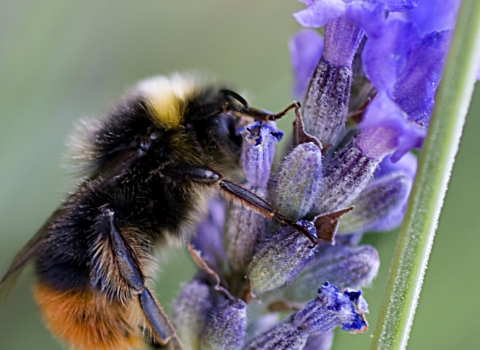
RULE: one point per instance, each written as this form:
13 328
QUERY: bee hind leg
154 313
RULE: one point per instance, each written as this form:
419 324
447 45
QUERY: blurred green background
61 60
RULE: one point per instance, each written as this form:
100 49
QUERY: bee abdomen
87 320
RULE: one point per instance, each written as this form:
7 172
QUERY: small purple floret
258 151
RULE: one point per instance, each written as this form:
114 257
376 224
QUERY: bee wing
24 256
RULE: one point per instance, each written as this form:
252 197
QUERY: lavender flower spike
226 328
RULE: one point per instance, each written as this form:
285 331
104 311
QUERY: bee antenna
236 96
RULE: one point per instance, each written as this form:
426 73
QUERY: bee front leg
235 193
128 267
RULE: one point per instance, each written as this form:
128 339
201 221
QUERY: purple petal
434 15
416 86
369 16
305 51
382 113
407 164
412 137
385 57
401 5
478 72
319 13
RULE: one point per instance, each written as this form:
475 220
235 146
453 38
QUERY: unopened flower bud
326 102
345 175
279 260
374 205
299 180
342 265
226 327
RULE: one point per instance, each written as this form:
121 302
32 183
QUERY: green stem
435 165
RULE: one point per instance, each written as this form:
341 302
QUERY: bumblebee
149 167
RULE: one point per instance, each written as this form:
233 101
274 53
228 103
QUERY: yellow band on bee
166 98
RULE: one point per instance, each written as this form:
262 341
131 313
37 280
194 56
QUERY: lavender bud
279 260
299 180
376 202
319 341
226 326
345 175
326 102
258 151
190 311
331 309
284 336
244 228
342 265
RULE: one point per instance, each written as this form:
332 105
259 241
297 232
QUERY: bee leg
155 315
158 319
236 193
249 199
262 115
